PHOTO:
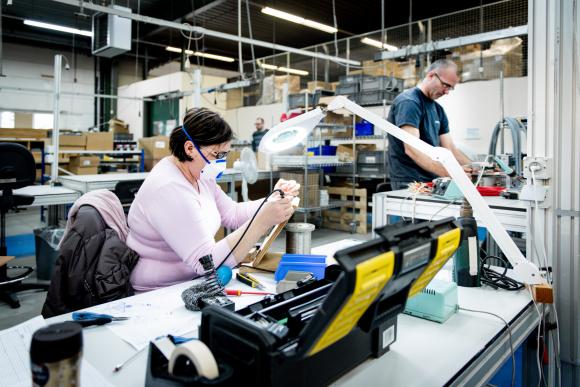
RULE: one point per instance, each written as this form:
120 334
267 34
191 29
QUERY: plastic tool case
312 335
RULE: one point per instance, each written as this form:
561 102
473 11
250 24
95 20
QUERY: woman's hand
276 212
289 187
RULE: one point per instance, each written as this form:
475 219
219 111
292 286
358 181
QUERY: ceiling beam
205 31
190 15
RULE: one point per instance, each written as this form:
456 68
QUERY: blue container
327 150
315 264
364 128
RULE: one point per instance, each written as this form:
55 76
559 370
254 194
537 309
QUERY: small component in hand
220 301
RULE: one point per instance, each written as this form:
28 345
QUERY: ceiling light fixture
202 54
56 27
282 69
377 44
298 20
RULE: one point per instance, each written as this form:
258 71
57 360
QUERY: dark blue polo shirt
413 108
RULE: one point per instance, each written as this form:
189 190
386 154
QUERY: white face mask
213 169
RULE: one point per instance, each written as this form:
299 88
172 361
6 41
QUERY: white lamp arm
524 270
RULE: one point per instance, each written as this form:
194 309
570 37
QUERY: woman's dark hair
204 127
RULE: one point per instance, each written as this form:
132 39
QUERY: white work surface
45 195
512 214
86 183
469 347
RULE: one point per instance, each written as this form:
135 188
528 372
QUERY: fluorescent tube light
298 20
282 69
56 27
377 44
202 54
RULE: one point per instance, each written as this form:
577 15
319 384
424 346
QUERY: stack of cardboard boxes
92 141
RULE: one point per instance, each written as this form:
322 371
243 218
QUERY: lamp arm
524 270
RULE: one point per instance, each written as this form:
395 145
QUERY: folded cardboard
99 141
345 151
150 163
233 156
155 147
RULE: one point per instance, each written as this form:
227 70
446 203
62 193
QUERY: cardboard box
318 85
118 126
84 161
83 170
99 141
233 156
156 147
345 152
72 140
37 154
150 163
313 196
272 87
220 234
234 98
313 178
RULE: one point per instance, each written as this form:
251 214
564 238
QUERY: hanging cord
510 337
335 27
249 224
251 35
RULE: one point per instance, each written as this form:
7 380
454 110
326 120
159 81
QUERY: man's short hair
441 64
260 119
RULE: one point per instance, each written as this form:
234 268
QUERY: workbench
466 350
512 214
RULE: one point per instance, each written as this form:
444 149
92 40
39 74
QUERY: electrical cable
510 337
441 209
496 279
249 224
251 36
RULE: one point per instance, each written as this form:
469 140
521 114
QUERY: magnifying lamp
290 133
293 131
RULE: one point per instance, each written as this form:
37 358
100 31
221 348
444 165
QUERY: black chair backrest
126 190
17 166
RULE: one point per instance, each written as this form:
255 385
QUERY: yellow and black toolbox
312 335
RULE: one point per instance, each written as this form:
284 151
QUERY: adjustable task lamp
293 131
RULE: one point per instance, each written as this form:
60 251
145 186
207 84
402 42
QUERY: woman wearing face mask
179 208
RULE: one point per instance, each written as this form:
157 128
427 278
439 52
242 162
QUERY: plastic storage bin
327 150
348 89
370 157
315 264
364 128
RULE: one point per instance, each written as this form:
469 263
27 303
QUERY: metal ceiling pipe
201 30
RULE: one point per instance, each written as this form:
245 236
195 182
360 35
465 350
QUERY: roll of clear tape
199 355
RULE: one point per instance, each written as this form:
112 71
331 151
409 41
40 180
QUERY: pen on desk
249 280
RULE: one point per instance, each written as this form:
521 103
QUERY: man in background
258 134
416 112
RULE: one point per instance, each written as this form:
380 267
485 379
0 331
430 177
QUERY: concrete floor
32 301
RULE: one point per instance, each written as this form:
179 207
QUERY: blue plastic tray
315 264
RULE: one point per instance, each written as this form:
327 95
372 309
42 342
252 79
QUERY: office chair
126 191
17 170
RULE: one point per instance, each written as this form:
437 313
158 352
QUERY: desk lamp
293 131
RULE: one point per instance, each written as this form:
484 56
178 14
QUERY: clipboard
261 252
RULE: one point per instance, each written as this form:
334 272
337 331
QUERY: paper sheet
151 315
15 357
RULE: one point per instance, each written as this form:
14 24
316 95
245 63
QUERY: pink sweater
171 226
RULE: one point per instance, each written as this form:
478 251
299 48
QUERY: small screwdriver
237 292
249 280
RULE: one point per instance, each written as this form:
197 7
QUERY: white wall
242 119
477 105
132 111
32 67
